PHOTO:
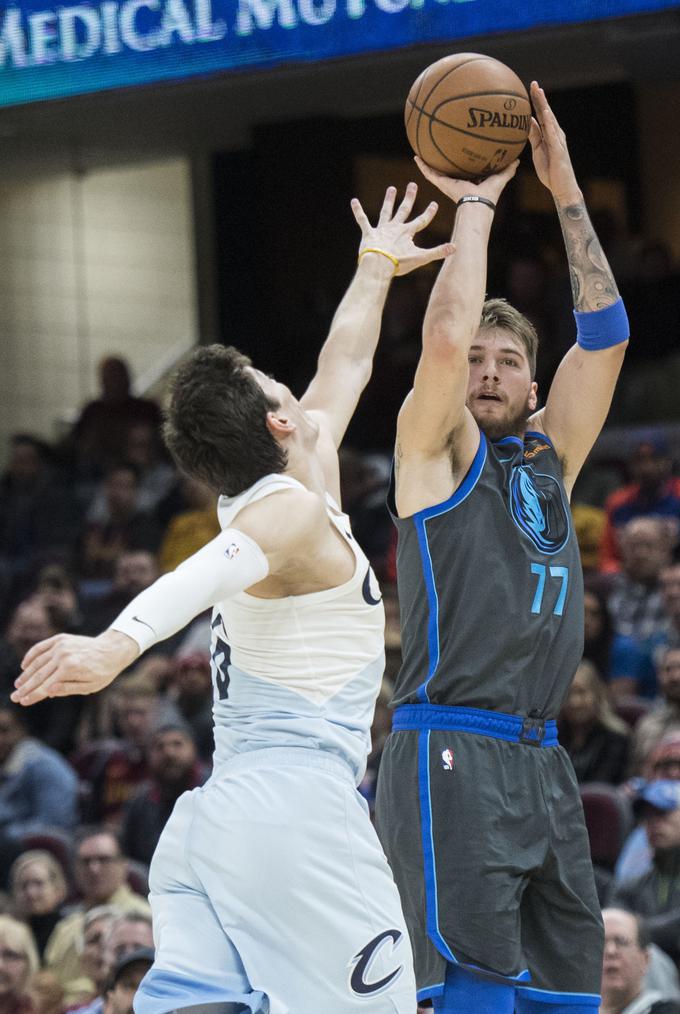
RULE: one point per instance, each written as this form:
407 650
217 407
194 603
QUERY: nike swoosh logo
144 623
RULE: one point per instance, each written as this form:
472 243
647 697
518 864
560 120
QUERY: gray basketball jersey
491 587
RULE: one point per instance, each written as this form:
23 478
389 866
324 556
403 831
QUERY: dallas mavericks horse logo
538 508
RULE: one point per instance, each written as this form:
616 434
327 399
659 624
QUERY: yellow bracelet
374 249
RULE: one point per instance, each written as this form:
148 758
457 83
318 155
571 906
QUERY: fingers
437 253
509 171
535 135
35 653
361 220
388 205
37 686
406 206
425 217
430 174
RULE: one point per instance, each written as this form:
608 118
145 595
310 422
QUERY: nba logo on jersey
447 760
231 551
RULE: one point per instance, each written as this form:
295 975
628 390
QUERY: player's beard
514 425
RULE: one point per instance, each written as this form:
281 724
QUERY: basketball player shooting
269 890
478 808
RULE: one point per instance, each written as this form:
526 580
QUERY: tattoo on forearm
592 282
398 454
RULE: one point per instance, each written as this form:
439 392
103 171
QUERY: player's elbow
444 337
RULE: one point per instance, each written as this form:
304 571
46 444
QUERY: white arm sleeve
229 564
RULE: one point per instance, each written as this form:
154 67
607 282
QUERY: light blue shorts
269 890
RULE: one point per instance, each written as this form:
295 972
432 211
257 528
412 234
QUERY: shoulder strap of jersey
229 506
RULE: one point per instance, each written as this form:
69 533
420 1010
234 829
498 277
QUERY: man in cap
125 978
655 895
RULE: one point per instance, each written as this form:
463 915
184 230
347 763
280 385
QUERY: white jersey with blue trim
302 670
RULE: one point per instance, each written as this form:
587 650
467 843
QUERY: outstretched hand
71 664
395 235
549 149
492 187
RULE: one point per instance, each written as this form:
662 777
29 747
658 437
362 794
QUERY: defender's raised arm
346 359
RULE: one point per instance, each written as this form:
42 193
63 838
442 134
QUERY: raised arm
346 359
582 391
434 414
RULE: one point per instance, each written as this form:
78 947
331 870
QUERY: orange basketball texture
468 116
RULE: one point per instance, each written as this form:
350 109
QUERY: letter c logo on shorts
362 964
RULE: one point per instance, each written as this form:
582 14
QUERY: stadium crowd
86 784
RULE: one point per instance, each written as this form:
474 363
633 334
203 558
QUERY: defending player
269 889
478 807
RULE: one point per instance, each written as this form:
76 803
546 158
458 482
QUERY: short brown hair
215 425
499 313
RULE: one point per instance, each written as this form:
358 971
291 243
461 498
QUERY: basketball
468 116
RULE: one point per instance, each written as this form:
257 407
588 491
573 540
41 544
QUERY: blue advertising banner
54 49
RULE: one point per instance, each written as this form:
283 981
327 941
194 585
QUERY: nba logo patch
231 551
447 760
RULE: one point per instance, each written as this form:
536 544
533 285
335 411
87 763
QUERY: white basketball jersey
303 670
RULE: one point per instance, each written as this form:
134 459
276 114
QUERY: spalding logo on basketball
468 116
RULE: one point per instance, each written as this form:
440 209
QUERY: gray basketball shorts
488 846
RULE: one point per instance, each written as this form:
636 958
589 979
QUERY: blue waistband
495 724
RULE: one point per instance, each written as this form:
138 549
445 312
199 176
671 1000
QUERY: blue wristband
600 329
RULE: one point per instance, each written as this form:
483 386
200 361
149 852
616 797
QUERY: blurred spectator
635 601
57 591
664 716
138 712
18 962
51 720
593 736
124 981
126 934
589 524
133 571
46 992
618 659
174 768
38 887
92 967
38 515
191 529
101 873
123 526
625 964
192 693
656 894
662 763
144 451
652 491
98 437
37 787
670 593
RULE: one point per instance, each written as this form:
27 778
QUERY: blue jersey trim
420 520
428 992
430 871
467 485
534 434
430 877
565 999
494 724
